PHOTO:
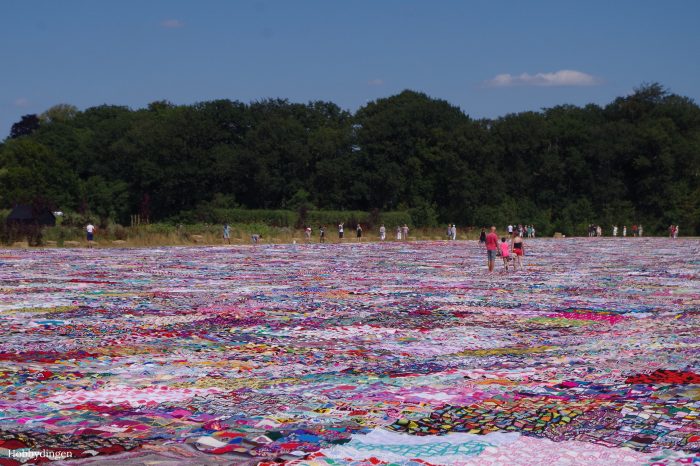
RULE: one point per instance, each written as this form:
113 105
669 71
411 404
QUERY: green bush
74 219
331 218
393 219
280 218
424 215
62 233
120 232
31 233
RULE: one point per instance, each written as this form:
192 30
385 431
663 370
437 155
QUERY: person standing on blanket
90 233
227 234
505 252
491 248
518 252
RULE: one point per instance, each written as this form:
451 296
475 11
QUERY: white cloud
22 102
375 82
172 23
558 78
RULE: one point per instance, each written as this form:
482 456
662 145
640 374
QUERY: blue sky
489 57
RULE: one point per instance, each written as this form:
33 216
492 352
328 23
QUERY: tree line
634 160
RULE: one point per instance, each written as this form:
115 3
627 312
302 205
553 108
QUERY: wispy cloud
172 23
375 82
557 78
22 102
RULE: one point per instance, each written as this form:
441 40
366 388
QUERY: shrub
120 232
395 218
424 215
333 217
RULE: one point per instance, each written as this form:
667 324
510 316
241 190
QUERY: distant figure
634 230
398 233
255 239
341 231
359 232
227 234
382 232
598 231
675 231
482 236
491 248
454 232
510 230
322 234
533 231
404 232
641 230
670 231
518 252
90 232
624 230
449 231
307 234
505 252
614 230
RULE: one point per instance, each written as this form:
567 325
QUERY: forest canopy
635 160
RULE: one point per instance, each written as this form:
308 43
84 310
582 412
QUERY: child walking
505 252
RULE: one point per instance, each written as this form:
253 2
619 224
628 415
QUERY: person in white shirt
382 232
341 231
90 230
510 230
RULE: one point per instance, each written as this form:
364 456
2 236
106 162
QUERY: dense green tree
635 160
25 126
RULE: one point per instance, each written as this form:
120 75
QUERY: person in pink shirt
505 252
492 248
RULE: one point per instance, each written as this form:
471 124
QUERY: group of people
401 232
637 230
510 248
673 231
524 231
452 232
594 230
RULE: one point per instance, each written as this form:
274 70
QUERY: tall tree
24 127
